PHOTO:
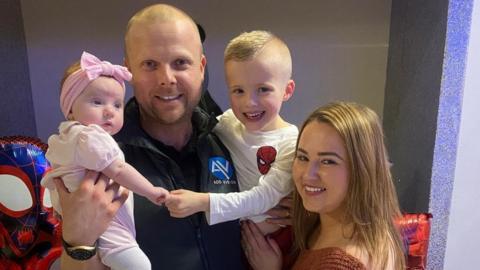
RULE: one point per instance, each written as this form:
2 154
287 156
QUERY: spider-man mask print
265 157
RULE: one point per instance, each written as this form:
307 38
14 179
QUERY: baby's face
257 89
101 103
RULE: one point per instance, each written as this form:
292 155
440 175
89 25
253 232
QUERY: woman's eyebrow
329 154
321 153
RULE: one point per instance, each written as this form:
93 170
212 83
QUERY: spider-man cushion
416 232
29 233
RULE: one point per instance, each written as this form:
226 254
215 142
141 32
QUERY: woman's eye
301 158
329 162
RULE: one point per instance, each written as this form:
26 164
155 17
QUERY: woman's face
320 169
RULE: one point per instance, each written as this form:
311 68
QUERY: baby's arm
127 176
182 203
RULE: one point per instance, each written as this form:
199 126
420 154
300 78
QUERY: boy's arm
182 203
128 177
255 201
271 188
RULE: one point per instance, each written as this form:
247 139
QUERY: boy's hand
182 203
280 214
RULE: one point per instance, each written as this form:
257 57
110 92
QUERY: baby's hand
159 196
182 203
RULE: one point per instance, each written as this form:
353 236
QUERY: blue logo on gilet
220 168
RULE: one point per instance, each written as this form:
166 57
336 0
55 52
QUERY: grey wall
16 107
339 48
412 91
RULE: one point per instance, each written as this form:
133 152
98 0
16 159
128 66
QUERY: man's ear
203 63
289 89
126 64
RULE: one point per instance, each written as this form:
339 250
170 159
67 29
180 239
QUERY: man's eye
181 64
149 65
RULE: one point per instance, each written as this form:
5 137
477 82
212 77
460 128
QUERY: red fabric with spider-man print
265 157
29 233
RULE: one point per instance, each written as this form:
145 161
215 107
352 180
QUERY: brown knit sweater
331 258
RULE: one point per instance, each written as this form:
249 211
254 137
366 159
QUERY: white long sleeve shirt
264 175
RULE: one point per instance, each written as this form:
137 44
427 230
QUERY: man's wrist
75 238
80 252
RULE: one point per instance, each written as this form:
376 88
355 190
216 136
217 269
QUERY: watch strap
80 253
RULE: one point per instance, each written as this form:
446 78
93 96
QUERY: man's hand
182 203
262 253
87 212
280 214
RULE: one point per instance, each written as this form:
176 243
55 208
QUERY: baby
91 100
258 69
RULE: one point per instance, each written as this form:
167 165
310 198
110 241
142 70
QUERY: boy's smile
257 89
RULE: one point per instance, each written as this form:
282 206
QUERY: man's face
167 65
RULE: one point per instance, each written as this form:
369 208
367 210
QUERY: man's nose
166 76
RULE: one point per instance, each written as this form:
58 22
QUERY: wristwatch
80 253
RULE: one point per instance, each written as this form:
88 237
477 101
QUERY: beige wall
339 48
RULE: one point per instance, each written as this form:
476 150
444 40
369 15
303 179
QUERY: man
169 141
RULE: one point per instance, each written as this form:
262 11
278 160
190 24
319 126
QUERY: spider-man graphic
265 157
29 234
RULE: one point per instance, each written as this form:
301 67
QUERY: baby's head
93 92
258 70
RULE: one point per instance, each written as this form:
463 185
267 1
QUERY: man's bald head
157 14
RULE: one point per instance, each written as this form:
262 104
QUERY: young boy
258 69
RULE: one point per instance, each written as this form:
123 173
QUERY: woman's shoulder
329 257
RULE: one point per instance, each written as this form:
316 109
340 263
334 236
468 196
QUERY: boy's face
257 89
101 103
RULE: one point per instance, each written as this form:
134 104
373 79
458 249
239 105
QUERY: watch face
81 254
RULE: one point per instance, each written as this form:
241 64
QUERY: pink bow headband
91 68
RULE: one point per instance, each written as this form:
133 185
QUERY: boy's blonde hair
249 44
371 200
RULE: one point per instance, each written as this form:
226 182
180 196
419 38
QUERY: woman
345 202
